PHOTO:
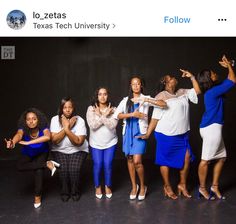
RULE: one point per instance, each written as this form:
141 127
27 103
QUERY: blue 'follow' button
176 19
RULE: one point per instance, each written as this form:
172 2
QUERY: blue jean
102 159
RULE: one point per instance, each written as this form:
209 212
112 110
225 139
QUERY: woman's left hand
186 73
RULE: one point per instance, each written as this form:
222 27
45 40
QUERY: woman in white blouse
102 139
133 109
172 131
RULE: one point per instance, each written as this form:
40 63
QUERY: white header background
129 18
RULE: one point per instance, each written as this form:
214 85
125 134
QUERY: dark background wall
46 69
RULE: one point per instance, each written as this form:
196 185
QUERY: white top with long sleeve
143 123
102 130
65 146
174 120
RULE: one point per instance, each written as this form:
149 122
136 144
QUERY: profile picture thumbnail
16 19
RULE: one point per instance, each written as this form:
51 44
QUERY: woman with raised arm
102 139
70 148
33 134
172 131
213 147
135 117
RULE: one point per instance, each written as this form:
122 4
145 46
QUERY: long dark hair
204 80
95 97
42 120
130 104
63 101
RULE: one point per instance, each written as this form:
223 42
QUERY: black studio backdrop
47 69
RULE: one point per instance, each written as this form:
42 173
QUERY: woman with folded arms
70 148
102 139
213 148
33 134
135 117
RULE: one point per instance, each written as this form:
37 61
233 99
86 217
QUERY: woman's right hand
225 62
9 144
162 103
144 137
138 114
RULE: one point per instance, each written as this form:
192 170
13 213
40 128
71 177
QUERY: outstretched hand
225 62
186 73
140 100
9 143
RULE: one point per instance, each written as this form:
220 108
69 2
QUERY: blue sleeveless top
33 150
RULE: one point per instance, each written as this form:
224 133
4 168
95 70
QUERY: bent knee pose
102 139
213 147
172 131
135 120
33 134
70 148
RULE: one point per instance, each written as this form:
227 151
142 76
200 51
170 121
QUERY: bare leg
183 176
137 159
131 169
216 175
202 174
167 187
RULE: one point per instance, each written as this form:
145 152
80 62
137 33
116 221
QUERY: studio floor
16 199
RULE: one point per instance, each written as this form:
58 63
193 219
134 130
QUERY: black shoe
65 197
75 197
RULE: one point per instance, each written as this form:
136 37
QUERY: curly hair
162 83
95 96
42 120
130 104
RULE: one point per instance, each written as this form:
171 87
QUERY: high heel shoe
169 193
37 201
52 167
108 195
142 197
202 192
133 196
216 193
182 190
98 196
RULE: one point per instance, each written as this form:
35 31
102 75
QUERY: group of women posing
170 119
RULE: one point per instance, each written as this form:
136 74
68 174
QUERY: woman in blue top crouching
33 134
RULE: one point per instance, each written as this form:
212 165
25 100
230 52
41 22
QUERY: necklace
36 136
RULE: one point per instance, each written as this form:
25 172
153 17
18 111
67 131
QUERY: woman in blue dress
172 128
213 148
135 118
33 134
